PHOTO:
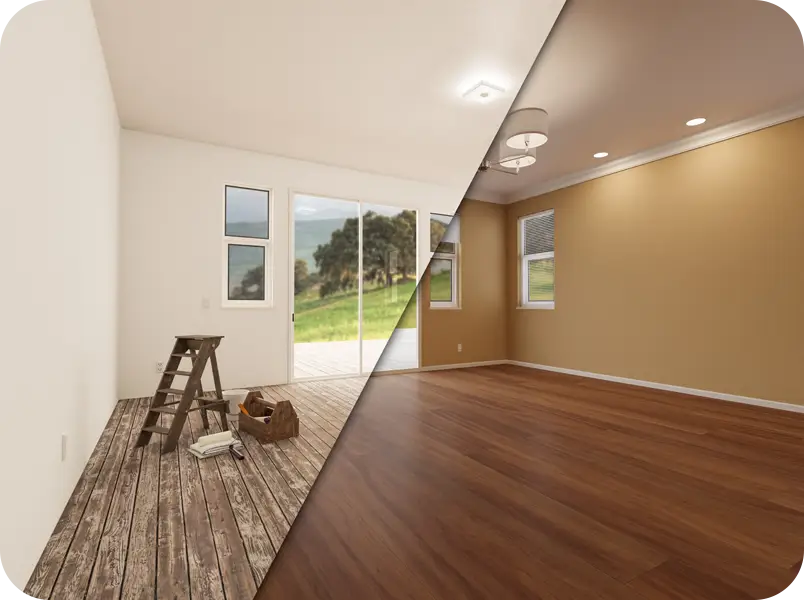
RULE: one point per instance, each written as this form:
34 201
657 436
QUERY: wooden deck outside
337 359
141 525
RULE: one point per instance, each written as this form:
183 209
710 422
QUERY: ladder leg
204 417
158 399
213 359
201 403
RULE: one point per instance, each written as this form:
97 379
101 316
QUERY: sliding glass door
326 266
354 279
389 283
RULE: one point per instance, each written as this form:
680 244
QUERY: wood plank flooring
504 482
141 525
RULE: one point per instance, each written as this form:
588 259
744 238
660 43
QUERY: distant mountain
251 229
311 234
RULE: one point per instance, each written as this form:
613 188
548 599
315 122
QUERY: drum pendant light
525 129
511 158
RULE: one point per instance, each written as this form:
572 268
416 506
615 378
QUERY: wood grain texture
202 560
232 558
44 574
107 574
77 568
256 541
139 582
141 525
172 574
503 482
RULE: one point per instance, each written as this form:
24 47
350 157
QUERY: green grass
441 287
334 318
541 280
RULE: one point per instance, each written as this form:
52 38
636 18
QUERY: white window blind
537 258
539 237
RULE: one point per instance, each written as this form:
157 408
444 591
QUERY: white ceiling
371 85
624 76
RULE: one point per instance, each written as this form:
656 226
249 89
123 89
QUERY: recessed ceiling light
483 92
601 154
696 122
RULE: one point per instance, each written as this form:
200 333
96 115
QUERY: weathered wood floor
140 525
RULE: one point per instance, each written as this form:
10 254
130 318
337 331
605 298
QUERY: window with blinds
537 259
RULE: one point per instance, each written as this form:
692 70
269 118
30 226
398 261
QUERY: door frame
292 193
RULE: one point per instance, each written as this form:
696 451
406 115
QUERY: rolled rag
215 438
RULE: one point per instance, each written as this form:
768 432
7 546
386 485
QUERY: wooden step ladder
199 349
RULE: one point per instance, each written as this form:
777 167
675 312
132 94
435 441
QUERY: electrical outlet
460 347
160 367
63 447
204 302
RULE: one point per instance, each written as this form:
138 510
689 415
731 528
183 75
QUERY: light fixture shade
525 128
511 158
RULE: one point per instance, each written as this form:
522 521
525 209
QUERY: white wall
172 253
58 254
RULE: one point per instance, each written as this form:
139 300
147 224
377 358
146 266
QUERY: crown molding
693 142
482 195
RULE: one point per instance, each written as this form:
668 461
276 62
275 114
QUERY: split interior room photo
424 300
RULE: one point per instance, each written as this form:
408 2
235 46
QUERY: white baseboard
469 365
666 387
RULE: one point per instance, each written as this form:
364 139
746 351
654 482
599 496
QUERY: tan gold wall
479 325
687 271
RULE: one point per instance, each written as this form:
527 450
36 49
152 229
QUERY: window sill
538 306
251 305
444 307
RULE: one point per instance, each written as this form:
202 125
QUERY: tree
301 276
389 249
404 240
337 261
437 232
252 286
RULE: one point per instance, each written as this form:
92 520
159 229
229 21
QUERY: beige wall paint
479 324
687 271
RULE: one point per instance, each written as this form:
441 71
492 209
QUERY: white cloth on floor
215 449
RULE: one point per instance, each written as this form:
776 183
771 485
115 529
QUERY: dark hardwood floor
504 482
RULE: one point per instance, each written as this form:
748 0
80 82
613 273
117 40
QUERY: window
537 259
445 233
247 247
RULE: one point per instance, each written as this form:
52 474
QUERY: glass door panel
326 280
389 311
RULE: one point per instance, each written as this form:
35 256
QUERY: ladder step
182 373
170 391
164 409
211 406
182 355
157 429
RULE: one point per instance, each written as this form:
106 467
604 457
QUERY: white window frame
454 258
264 243
524 259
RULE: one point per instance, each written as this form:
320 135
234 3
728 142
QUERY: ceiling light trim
483 92
693 142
